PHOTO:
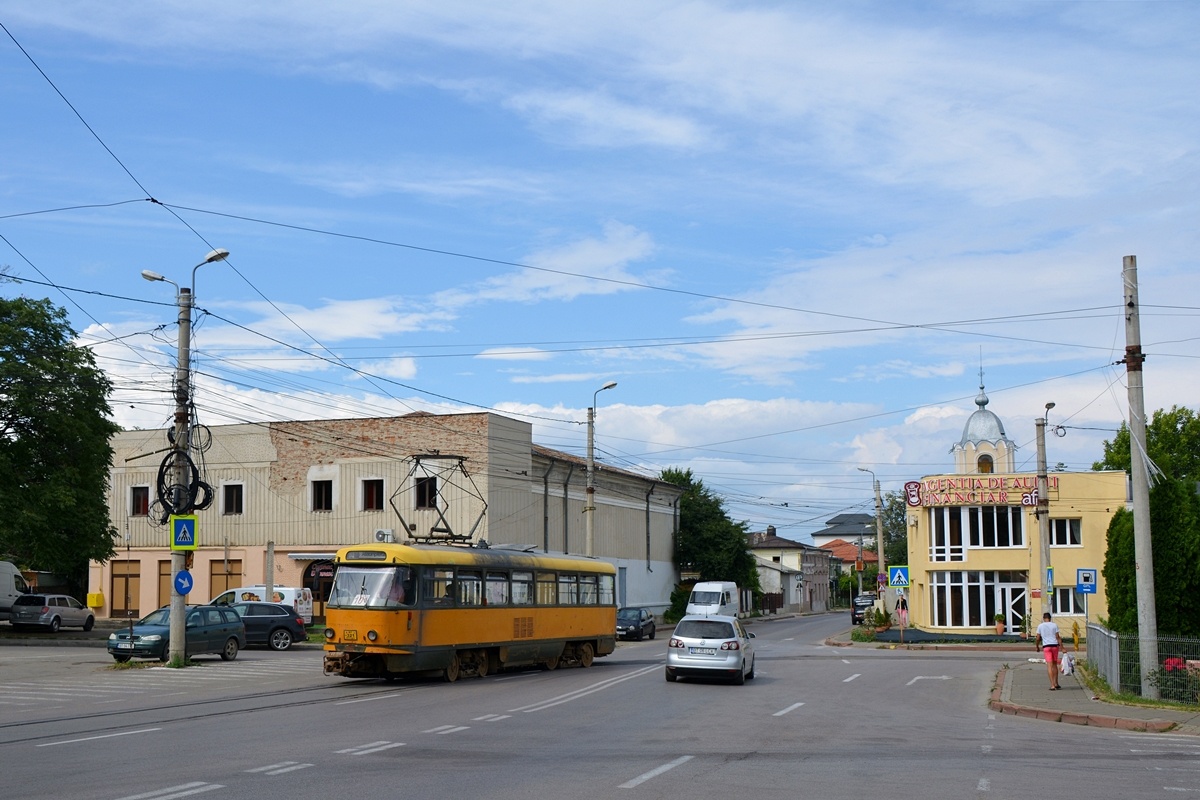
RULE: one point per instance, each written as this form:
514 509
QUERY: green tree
1172 442
54 444
1175 545
895 529
710 543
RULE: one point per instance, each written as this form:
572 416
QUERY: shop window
427 493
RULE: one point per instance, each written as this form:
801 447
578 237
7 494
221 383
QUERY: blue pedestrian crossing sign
183 582
183 532
898 577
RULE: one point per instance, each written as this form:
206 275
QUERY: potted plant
1025 620
999 624
883 620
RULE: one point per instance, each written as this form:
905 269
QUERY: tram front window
372 587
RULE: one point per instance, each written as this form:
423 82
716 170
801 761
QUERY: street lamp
184 297
880 561
589 504
1043 508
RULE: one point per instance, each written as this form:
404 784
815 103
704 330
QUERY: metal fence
1117 658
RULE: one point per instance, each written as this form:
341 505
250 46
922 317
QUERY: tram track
117 719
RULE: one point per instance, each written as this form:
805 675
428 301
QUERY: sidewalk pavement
1022 688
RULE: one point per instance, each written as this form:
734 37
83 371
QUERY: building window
995 526
139 501
322 495
372 494
946 538
1067 601
985 465
231 498
1066 532
224 575
426 492
164 583
972 598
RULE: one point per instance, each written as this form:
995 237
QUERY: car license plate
124 645
702 651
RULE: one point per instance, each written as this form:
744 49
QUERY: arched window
985 465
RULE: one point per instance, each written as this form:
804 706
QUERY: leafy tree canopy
1172 442
710 543
54 443
895 528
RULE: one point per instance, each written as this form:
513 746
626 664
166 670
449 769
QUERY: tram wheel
450 673
586 654
550 664
481 663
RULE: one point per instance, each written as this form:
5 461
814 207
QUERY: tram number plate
702 651
350 636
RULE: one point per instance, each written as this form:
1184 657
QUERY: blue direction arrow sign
898 577
183 582
183 532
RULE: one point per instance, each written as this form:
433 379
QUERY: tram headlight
372 636
329 633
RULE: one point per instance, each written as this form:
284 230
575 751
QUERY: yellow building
973 539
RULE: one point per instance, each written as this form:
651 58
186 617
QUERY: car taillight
731 646
45 609
675 642
300 621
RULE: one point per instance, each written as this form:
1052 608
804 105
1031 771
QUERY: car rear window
30 600
704 629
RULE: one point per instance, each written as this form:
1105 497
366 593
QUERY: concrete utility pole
1143 554
180 502
881 560
1043 510
589 502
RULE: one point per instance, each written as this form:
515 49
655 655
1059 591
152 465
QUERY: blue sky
791 232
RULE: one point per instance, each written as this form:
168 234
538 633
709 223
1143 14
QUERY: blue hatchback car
210 629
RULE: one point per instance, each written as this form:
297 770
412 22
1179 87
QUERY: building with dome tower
974 548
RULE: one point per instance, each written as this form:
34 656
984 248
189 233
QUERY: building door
1013 604
126 587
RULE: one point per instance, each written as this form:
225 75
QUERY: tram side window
522 588
568 590
587 590
607 593
470 589
439 587
547 592
497 589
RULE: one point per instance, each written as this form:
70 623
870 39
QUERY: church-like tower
984 448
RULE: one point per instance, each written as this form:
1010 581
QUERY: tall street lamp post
181 443
880 560
589 503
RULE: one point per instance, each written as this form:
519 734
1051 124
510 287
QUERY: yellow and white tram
397 609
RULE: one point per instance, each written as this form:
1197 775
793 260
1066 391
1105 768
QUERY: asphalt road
817 722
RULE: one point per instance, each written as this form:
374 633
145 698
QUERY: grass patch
862 633
1096 684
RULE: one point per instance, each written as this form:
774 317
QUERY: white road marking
93 738
928 678
281 768
373 747
182 790
984 785
852 677
792 707
575 695
640 779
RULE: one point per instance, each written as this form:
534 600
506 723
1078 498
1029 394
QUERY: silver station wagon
50 611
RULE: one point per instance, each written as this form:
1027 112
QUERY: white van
12 586
299 599
715 597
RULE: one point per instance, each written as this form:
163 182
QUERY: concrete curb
996 702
